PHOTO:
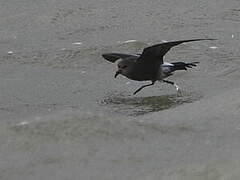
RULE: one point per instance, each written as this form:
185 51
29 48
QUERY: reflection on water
141 105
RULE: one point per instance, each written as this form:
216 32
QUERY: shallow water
136 106
64 116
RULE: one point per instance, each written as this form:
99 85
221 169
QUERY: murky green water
141 105
64 116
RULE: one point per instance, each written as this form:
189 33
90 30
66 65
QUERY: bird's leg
139 89
172 83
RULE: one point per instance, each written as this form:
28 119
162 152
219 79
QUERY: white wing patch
166 68
167 64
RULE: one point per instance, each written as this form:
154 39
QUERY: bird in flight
149 65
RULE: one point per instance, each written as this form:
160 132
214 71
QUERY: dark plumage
149 65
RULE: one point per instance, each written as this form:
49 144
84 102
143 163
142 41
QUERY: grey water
64 116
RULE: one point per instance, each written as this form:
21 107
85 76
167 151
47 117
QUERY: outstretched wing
155 53
113 57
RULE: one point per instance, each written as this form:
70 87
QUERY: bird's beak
117 73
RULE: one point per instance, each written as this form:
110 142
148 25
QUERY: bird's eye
124 66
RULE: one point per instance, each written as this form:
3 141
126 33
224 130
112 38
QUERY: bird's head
124 68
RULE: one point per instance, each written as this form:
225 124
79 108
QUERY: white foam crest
213 47
77 43
129 41
164 41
